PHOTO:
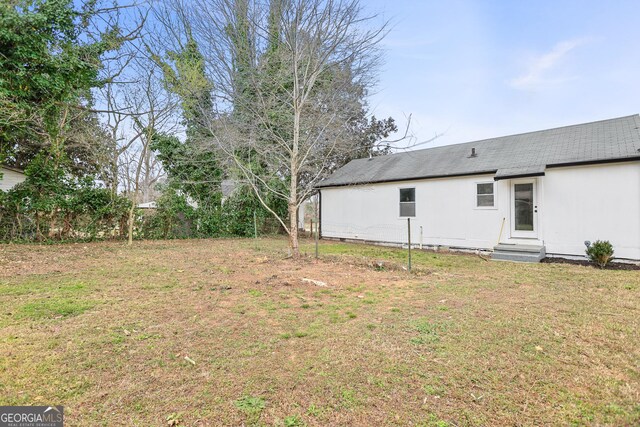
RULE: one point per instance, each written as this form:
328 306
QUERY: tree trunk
136 191
114 177
123 222
293 230
130 223
52 224
293 184
39 235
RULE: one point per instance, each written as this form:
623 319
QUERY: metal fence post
409 240
255 225
317 234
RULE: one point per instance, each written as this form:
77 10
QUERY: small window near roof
407 202
484 195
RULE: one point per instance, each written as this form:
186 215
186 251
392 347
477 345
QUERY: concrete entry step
518 253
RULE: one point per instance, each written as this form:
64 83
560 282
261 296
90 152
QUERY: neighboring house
154 205
228 187
10 177
524 195
307 214
148 205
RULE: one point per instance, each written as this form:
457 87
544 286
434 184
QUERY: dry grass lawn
226 332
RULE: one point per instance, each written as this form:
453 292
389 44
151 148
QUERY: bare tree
136 112
289 77
126 104
134 107
157 109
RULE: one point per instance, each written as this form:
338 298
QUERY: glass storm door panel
524 206
524 209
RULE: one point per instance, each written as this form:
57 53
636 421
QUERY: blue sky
478 69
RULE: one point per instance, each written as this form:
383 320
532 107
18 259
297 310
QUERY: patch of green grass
53 308
252 407
255 293
53 285
434 421
117 338
434 390
313 410
378 382
613 409
166 286
71 389
223 269
174 419
429 332
148 336
293 421
348 398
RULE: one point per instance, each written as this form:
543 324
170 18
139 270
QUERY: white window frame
415 206
475 195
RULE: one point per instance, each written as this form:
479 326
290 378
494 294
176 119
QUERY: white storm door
524 209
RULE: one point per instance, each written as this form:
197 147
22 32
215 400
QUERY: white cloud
540 67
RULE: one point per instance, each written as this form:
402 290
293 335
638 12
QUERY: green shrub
600 252
53 204
175 218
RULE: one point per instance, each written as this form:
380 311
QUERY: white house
10 177
521 196
147 205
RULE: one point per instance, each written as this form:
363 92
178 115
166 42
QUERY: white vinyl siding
443 207
10 179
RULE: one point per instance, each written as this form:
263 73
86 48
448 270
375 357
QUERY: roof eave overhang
514 176
419 178
11 168
594 162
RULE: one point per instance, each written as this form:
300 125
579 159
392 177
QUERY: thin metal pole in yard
255 225
409 240
317 234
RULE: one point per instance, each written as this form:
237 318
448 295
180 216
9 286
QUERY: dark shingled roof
525 154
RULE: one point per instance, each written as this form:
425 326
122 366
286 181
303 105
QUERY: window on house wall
407 202
485 197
